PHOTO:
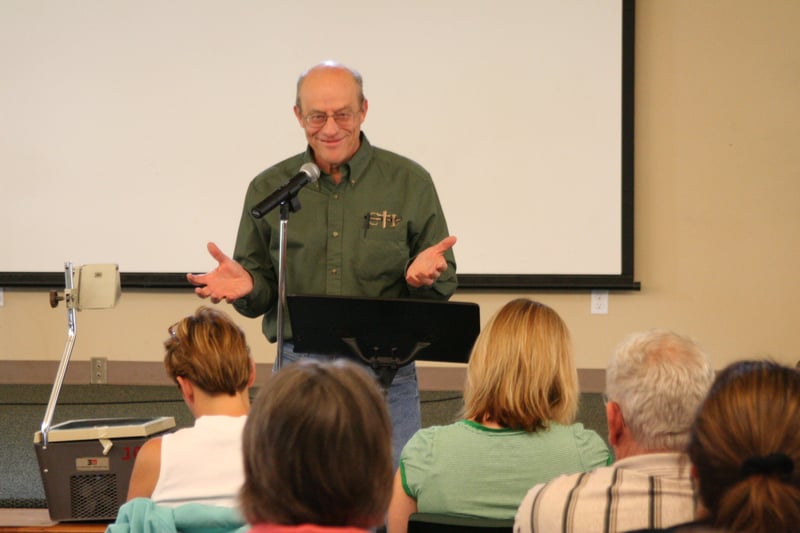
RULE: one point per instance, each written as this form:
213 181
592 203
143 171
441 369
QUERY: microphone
308 173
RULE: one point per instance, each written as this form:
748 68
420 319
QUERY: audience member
745 451
208 357
521 398
317 451
655 382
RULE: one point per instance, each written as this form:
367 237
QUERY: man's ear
616 422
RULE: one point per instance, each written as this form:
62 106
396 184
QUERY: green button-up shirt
351 239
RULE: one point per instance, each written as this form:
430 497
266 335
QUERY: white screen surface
131 129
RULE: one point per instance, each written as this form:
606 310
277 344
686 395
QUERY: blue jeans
403 398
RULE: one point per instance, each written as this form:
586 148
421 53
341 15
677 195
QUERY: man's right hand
229 281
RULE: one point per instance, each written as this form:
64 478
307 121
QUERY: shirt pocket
383 254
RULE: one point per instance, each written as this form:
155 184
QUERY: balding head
331 70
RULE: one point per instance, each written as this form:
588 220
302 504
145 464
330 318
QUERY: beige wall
717 218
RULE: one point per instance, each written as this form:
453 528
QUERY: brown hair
521 373
317 448
210 350
745 446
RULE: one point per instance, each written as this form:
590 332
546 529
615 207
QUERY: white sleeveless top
202 464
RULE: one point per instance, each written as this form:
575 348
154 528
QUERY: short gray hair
357 78
659 378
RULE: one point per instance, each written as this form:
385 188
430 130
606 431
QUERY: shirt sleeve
252 252
430 228
591 448
416 460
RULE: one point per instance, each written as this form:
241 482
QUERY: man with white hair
655 381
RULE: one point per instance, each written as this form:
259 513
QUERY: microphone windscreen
311 170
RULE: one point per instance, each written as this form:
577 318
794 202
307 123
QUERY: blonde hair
318 448
521 372
745 446
210 350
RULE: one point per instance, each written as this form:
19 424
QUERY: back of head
210 350
521 372
745 446
317 448
658 378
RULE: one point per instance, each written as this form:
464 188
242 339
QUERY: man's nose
330 126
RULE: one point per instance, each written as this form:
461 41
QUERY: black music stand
382 333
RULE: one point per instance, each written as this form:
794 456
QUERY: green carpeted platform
22 409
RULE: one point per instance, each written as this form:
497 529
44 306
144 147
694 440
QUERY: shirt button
335 234
336 196
333 271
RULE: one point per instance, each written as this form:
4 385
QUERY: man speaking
371 226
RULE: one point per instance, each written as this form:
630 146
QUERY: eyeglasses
318 120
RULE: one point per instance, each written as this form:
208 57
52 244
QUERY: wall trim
449 377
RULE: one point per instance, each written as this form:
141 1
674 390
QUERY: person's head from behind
655 381
210 350
330 106
317 448
745 448
521 373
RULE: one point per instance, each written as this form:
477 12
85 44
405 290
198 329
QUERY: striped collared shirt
644 491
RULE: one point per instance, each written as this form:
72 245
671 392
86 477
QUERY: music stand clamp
384 333
385 365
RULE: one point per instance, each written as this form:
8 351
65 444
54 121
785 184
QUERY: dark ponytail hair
745 446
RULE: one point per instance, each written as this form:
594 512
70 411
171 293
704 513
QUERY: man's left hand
429 264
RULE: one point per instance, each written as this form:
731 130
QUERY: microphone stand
292 204
286 198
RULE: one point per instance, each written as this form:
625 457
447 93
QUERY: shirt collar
481 427
673 464
356 168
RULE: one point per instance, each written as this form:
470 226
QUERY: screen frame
625 280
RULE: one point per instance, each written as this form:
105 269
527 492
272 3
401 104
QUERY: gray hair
332 64
659 378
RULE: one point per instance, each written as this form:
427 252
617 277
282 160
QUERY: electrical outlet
99 370
599 302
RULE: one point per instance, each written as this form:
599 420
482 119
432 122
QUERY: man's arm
431 271
252 252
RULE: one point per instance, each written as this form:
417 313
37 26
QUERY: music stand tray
384 333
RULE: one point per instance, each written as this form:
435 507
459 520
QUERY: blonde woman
521 398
